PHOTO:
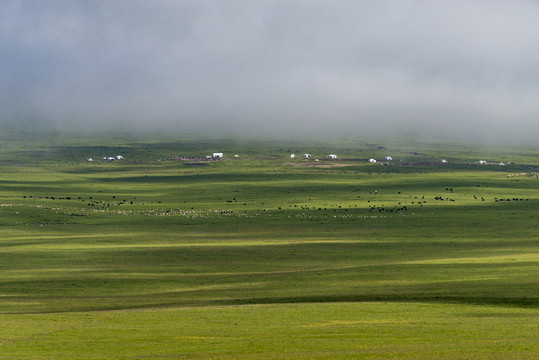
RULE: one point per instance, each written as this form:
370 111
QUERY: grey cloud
438 68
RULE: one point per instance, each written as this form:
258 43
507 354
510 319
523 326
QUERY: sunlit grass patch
332 330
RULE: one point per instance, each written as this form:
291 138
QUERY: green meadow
168 255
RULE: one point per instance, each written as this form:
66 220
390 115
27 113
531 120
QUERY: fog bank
445 69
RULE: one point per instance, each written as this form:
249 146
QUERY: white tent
217 155
332 156
372 160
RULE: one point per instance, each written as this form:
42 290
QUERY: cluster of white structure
386 158
483 162
330 156
109 158
220 155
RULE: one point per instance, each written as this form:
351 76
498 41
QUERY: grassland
263 256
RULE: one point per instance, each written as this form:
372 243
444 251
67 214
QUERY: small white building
217 155
306 155
372 160
332 156
481 162
443 161
111 158
236 155
292 156
388 158
119 157
90 159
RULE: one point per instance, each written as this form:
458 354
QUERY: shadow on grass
517 302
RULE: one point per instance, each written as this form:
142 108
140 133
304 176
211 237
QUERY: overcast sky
442 68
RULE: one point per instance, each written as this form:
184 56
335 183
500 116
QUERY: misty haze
442 69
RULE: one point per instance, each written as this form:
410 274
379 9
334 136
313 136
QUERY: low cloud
446 69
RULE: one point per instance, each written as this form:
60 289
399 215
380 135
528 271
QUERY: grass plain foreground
166 255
